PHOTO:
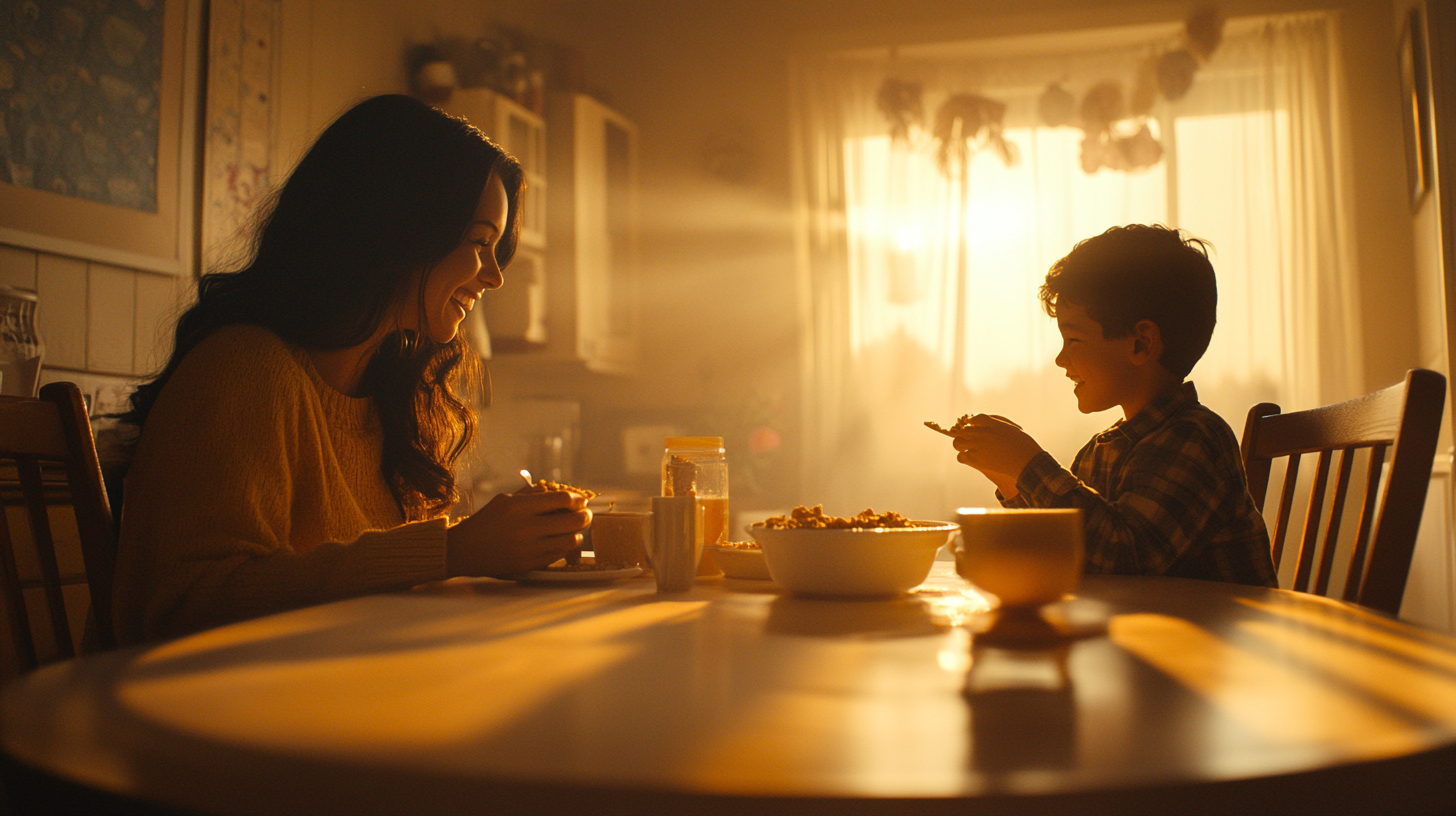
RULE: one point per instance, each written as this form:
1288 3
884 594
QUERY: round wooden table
1142 695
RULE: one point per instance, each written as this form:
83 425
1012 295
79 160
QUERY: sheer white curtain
919 304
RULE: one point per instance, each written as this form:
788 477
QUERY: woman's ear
1147 342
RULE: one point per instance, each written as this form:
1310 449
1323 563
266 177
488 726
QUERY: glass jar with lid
698 466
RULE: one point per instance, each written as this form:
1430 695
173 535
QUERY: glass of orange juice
698 466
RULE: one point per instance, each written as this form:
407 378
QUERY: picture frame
162 239
1415 86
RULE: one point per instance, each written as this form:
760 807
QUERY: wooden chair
1404 419
48 458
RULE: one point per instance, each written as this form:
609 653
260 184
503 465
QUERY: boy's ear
1147 342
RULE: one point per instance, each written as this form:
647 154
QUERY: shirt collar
1153 414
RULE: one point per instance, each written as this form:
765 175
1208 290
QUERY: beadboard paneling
60 314
156 309
110 319
17 267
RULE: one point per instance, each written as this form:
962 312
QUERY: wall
336 52
101 324
1431 593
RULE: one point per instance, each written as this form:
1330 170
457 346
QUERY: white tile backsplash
60 314
156 313
110 319
113 322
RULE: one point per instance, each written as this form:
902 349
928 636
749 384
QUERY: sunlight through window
911 236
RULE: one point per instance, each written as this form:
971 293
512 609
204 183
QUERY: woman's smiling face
456 283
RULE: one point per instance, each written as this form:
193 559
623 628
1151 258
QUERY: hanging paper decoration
1175 73
1140 150
1090 156
962 121
1056 107
1108 150
1102 106
1204 30
900 102
1116 130
1144 88
1111 140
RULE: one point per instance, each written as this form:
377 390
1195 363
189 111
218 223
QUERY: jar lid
693 442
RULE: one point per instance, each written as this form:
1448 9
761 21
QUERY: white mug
676 543
1023 557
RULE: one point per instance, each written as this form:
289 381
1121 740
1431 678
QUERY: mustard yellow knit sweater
256 488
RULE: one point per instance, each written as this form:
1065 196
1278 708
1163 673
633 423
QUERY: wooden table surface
1142 695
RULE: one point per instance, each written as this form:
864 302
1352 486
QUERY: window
924 291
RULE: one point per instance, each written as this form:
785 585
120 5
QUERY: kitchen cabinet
513 317
593 220
523 135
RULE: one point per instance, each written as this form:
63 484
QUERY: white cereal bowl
859 562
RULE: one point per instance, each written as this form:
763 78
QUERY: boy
1163 490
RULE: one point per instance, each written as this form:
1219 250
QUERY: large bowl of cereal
869 555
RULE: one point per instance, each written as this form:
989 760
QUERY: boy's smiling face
1104 370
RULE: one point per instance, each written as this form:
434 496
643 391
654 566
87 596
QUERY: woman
299 445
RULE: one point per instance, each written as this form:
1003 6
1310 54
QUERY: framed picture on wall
97 139
1415 86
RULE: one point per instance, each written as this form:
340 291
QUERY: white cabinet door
515 315
594 226
520 133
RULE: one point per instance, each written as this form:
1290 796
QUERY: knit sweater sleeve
226 472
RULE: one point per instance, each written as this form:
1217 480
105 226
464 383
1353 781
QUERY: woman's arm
239 503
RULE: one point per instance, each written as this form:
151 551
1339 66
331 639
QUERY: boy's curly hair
1141 272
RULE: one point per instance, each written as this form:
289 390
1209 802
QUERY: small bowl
1025 557
737 562
857 563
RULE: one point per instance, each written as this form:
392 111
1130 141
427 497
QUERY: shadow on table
1023 712
26 791
751 586
824 617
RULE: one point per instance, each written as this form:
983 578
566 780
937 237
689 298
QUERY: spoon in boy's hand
963 423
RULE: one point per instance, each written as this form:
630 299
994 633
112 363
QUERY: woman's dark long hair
390 188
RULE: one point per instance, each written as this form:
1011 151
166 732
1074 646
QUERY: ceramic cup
1023 557
676 543
620 539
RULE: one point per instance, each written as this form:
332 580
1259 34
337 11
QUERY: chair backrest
47 459
1404 420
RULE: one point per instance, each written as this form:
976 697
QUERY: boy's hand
997 447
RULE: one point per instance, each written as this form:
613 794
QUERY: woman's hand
517 532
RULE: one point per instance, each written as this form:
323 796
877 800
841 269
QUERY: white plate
577 576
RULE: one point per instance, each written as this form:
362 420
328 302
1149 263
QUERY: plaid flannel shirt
1163 493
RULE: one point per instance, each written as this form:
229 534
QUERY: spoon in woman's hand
574 557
